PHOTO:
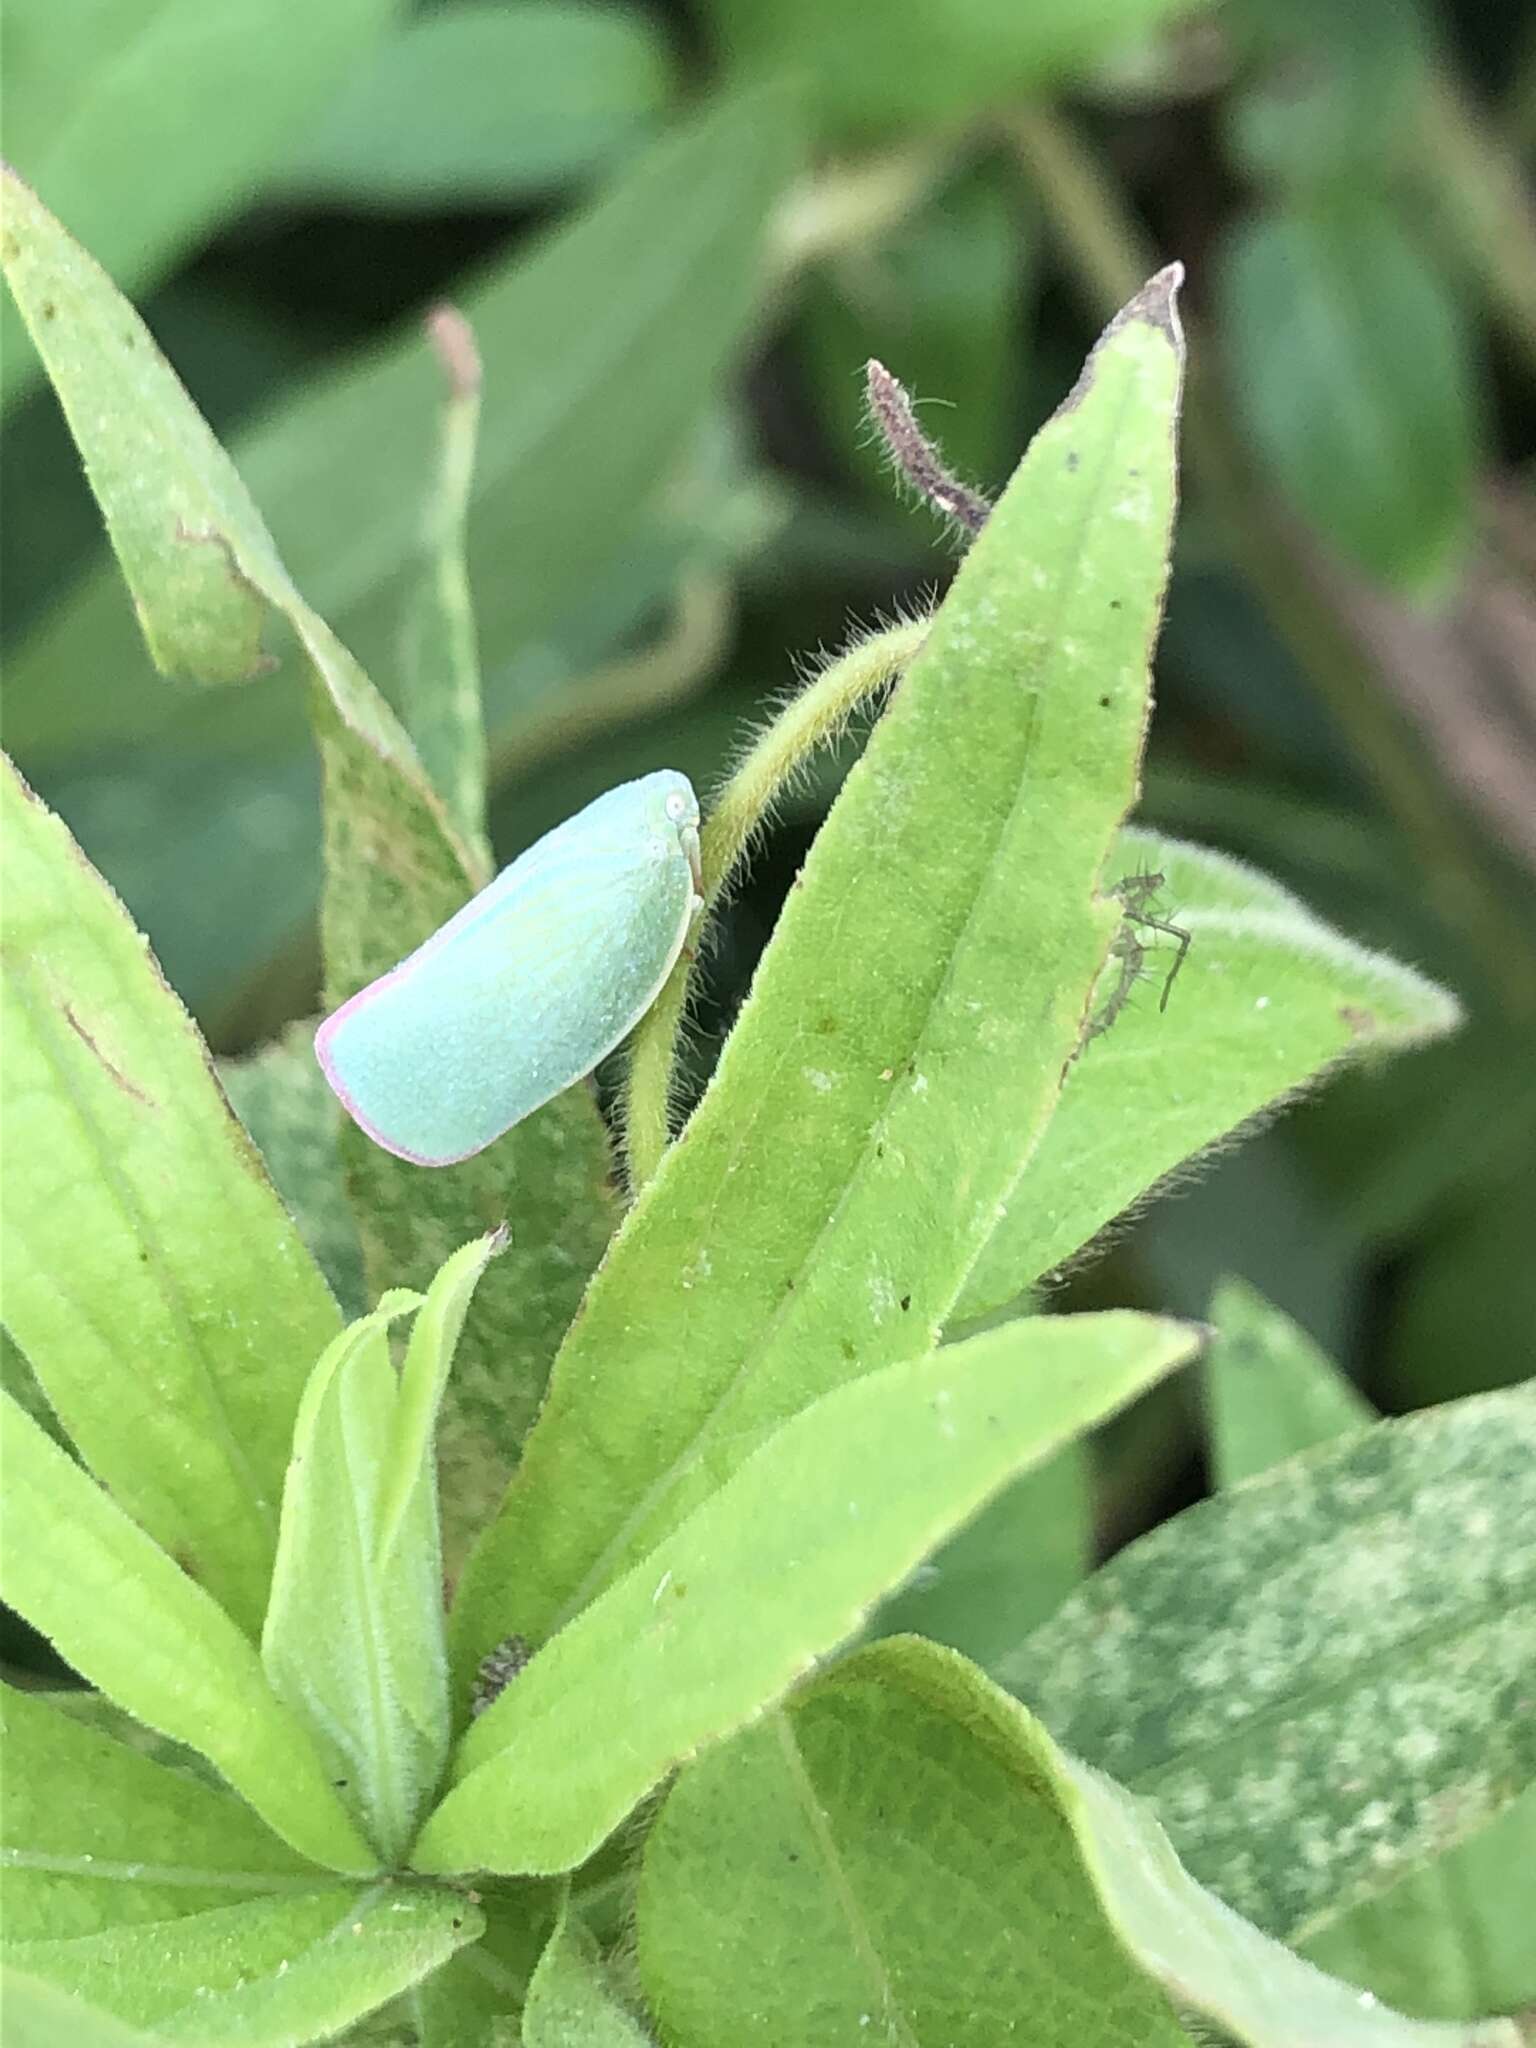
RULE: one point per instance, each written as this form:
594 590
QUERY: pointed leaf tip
1154 306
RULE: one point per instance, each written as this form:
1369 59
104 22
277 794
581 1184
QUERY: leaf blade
131 1622
264 1974
827 1255
1269 1001
132 1198
134 1841
1270 1391
905 1776
1390 1711
353 1641
730 1609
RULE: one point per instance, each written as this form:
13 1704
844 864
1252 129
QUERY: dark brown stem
918 460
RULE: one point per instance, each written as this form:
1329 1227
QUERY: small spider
1137 894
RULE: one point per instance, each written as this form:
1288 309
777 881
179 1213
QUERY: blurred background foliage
679 230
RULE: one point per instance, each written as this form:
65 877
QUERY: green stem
1113 257
1474 193
847 205
808 722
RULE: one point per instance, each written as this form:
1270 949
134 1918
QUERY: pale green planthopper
527 987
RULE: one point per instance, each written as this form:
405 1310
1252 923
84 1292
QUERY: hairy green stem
812 719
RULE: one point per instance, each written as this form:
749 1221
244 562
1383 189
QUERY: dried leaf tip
915 456
453 342
1157 303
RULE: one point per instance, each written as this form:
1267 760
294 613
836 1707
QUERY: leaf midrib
861 1935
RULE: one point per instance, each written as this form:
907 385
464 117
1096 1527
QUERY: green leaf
132 1202
1339 92
902 1813
571 2004
605 345
1348 360
966 845
1271 1392
177 515
1325 1675
771 1573
88 84
20 1382
354 1635
474 2000
39 2015
1453 1940
408 1489
903 1880
133 1623
1268 1001
95 1711
95 1835
924 65
1462 1314
281 1097
1008 1571
265 1973
474 105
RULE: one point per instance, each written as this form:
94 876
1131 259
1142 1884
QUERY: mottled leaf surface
1326 1675
1451 1940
